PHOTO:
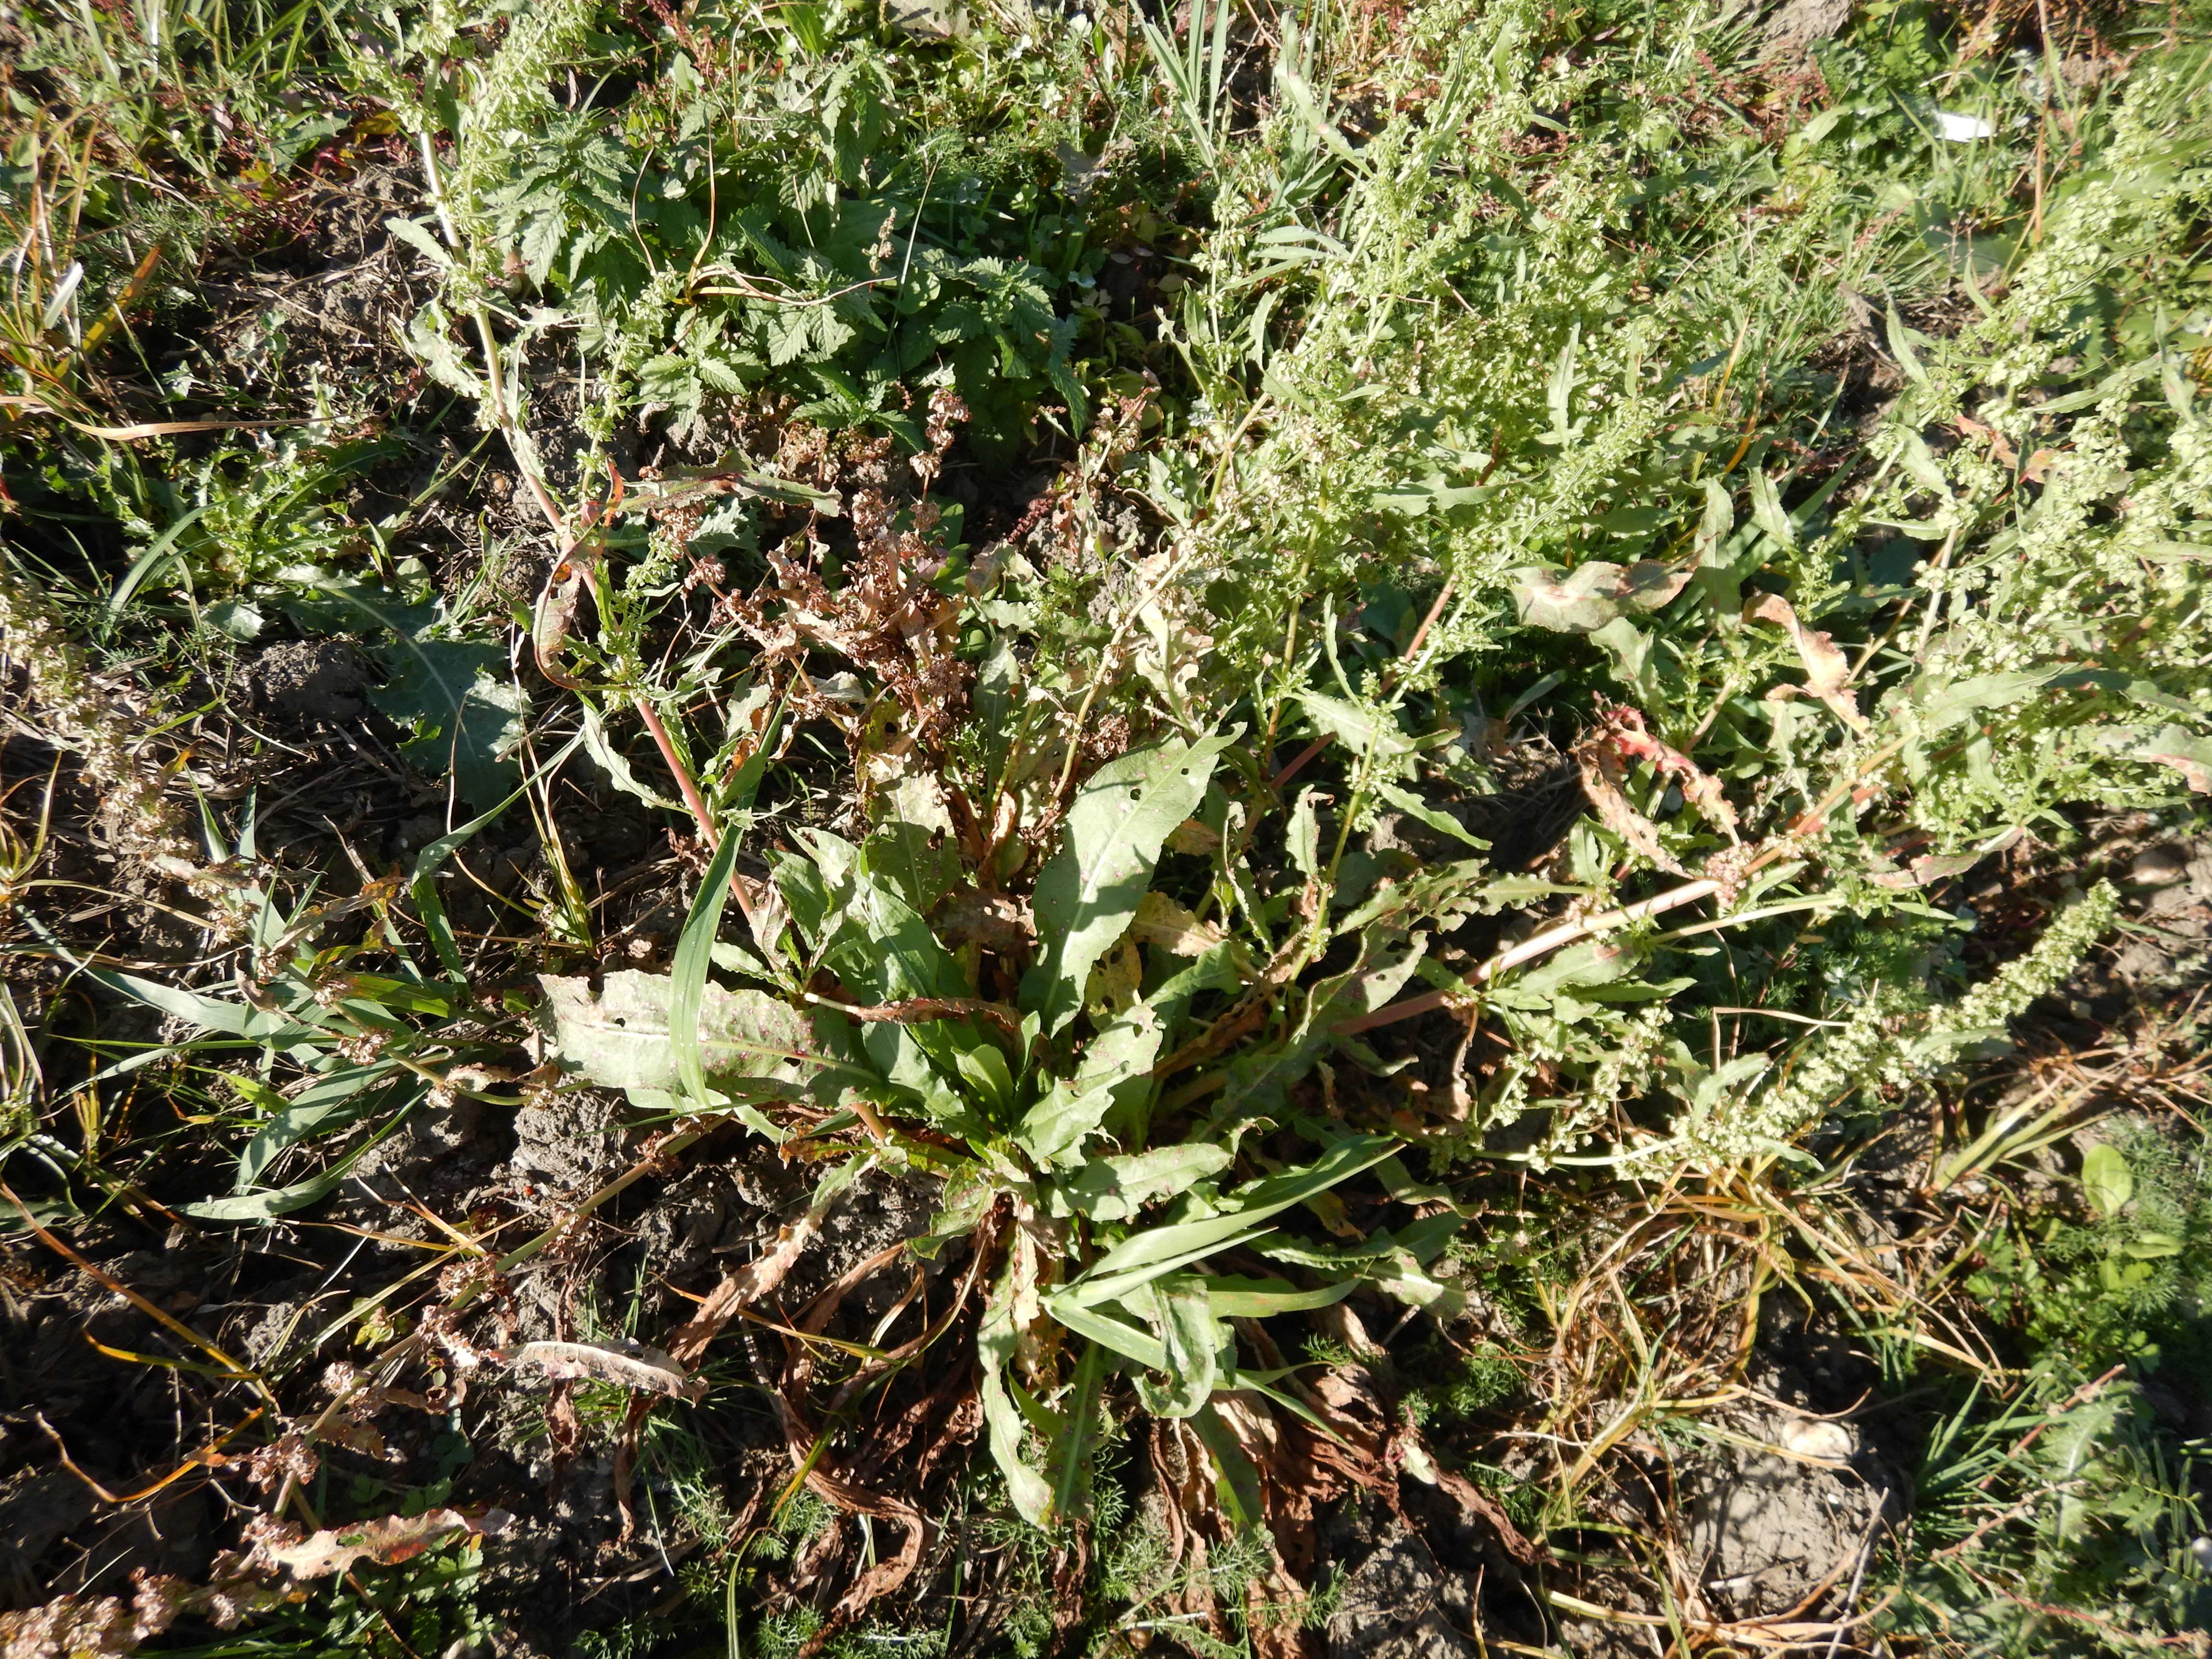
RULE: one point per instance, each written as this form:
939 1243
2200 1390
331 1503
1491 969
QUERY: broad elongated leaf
1005 1315
612 762
1075 1448
620 1038
386 1542
1259 1080
283 1200
1090 888
646 1370
1263 1298
1120 1058
922 865
1105 1328
1238 1482
1190 1345
1114 1188
881 948
1158 1249
1094 1289
695 950
269 1204
884 950
1357 728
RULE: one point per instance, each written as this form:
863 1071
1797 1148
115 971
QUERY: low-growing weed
1380 689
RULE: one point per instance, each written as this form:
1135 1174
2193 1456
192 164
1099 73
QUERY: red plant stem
661 741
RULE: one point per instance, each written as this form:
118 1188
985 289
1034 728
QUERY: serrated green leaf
1357 727
420 237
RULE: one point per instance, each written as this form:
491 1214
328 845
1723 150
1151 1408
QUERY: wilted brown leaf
384 1543
1600 764
1827 673
646 1370
1194 839
1162 922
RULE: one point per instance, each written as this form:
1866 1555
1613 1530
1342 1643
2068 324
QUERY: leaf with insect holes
1827 671
1191 1341
1074 1452
1090 888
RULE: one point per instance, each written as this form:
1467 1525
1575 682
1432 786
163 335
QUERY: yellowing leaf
1162 921
619 1038
384 1543
1592 594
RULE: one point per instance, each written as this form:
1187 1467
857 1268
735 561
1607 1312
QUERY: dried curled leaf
2187 754
1926 869
740 1289
1600 763
1827 674
1624 730
1194 839
648 1370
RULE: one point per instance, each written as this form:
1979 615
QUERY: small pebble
1813 1436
